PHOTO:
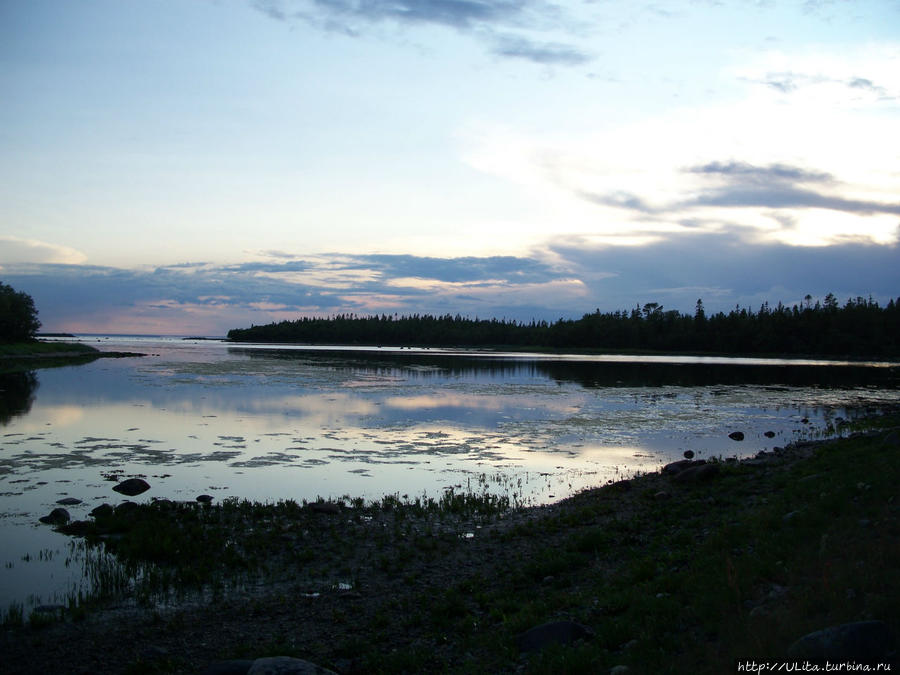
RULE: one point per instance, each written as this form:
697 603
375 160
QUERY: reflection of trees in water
16 394
590 374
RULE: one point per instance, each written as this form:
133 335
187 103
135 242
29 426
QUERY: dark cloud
742 185
727 269
619 200
788 198
275 267
762 174
789 82
457 270
776 187
488 20
463 14
546 53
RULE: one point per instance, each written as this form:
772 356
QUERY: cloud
462 14
17 249
742 185
726 269
585 273
548 53
763 174
490 21
821 158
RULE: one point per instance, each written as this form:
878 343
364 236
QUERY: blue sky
188 166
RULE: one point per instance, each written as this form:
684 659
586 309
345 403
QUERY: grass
24 356
37 348
669 577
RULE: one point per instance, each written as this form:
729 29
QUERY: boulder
132 487
865 641
554 632
285 665
769 434
679 466
77 528
697 474
125 507
736 435
204 499
102 511
68 501
57 516
689 454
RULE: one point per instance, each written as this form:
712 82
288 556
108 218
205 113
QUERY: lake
270 422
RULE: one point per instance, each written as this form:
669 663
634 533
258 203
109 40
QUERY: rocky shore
789 555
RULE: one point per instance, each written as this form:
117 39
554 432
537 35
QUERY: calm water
272 423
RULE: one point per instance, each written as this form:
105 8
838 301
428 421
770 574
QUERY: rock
697 474
102 511
204 499
555 632
769 434
285 665
132 487
662 494
736 435
57 516
866 641
679 466
125 507
77 528
68 501
689 454
233 667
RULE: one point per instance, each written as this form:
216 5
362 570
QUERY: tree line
18 316
858 328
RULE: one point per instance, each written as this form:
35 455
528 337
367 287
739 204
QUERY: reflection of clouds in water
315 408
428 401
57 415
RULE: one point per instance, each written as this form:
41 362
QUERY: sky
190 166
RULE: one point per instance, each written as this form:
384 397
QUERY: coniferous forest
859 328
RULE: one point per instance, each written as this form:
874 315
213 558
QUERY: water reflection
16 394
636 371
272 424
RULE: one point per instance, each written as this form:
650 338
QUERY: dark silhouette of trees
18 317
861 328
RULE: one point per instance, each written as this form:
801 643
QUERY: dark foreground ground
691 572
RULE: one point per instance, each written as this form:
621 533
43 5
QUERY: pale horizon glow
175 167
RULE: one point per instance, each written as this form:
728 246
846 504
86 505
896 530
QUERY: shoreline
27 356
655 559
